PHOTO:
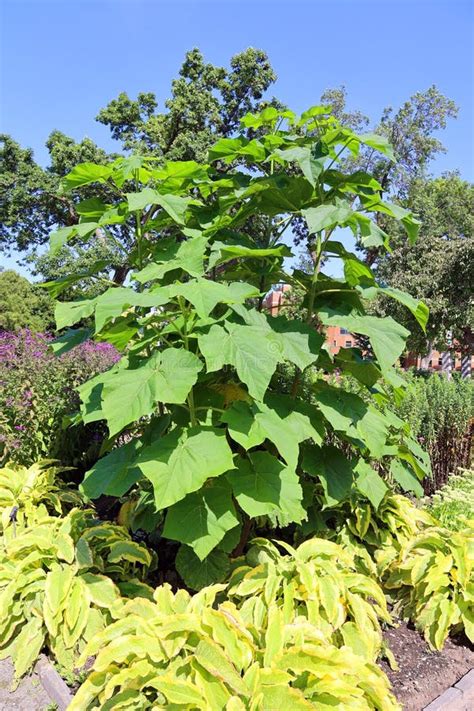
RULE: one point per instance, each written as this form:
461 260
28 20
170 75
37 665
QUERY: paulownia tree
197 427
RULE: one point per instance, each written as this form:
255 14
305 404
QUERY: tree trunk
425 361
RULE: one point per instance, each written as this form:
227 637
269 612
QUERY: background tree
23 305
438 267
411 130
206 103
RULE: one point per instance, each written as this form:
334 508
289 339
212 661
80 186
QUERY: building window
344 331
348 344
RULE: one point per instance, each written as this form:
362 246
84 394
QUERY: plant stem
317 254
190 398
244 536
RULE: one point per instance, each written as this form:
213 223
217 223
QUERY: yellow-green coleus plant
205 243
60 581
184 652
432 580
316 584
27 493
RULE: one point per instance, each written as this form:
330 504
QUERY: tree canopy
438 267
23 305
207 102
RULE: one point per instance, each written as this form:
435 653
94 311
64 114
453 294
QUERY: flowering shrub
37 392
453 504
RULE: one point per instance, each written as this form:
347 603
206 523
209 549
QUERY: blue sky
63 60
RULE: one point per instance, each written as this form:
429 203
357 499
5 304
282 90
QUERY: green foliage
438 267
210 432
26 493
453 504
206 102
23 305
316 584
374 535
432 580
413 133
60 581
426 570
440 413
181 651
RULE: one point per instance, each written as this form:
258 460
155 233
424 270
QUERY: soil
29 696
424 674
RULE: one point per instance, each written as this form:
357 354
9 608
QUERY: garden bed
424 674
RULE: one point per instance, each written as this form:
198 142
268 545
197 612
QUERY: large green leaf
197 573
372 429
90 393
202 518
67 313
324 217
403 475
275 195
242 425
116 300
253 357
410 223
179 169
341 409
370 483
370 234
222 252
183 460
170 254
204 294
72 338
291 340
355 271
380 143
228 149
166 376
299 343
418 308
333 470
250 426
86 173
311 167
363 369
59 238
263 485
57 286
113 474
387 337
305 416
174 205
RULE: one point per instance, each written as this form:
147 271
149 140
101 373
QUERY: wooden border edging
459 697
53 683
